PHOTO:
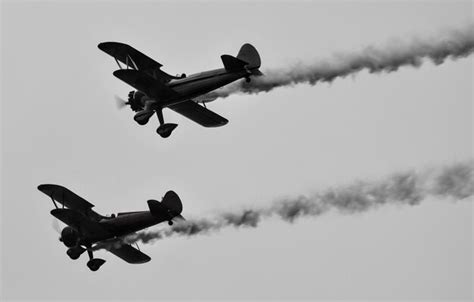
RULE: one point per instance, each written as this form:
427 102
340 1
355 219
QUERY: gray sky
60 125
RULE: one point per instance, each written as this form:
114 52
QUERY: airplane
89 231
157 90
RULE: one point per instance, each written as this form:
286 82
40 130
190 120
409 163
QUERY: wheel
247 80
95 264
142 117
75 252
170 222
166 129
165 134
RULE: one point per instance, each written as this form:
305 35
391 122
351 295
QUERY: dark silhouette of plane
87 230
157 90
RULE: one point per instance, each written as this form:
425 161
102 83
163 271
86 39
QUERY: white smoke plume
452 44
454 182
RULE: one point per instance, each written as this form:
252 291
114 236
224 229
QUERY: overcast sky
60 125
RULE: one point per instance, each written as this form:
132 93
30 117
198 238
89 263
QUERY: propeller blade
120 102
56 227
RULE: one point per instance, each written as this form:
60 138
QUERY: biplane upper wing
80 222
199 114
135 59
128 253
66 197
129 55
144 82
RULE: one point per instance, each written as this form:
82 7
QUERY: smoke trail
454 44
455 182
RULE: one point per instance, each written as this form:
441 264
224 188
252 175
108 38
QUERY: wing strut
129 62
120 66
54 202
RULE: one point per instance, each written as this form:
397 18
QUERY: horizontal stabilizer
157 209
232 63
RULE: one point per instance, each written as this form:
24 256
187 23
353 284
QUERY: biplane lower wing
80 222
66 197
129 254
144 82
199 114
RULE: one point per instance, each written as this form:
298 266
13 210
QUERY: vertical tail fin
172 202
249 54
247 57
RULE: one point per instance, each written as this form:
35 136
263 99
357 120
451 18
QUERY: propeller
57 228
120 102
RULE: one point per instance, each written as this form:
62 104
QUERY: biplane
156 89
89 231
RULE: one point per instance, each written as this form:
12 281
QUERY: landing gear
75 252
94 263
247 79
170 222
142 117
165 129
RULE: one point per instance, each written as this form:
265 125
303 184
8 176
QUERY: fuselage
201 83
123 224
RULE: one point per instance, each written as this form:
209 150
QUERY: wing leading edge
66 197
135 59
124 53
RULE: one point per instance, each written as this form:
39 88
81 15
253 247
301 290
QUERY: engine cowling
136 100
69 237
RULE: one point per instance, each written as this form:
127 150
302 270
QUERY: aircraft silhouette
157 90
89 231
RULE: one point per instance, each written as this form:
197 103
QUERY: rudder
172 202
249 54
247 58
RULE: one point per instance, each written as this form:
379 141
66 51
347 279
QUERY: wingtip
110 46
44 187
104 45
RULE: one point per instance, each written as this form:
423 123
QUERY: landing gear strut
165 129
94 263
